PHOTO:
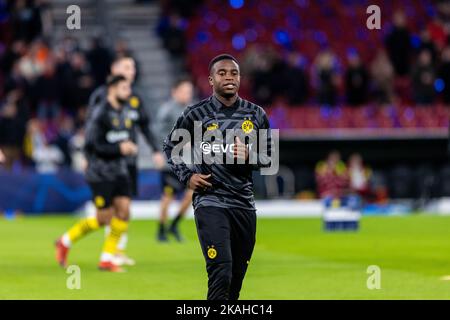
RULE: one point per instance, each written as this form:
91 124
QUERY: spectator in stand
356 80
423 77
13 118
47 157
171 31
398 44
438 30
65 133
444 74
295 79
81 82
261 78
382 74
14 79
32 64
13 53
326 77
427 44
359 175
45 91
99 58
26 20
332 176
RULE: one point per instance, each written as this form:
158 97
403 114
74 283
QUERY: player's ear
210 79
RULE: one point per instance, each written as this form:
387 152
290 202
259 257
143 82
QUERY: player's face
125 67
225 78
123 91
183 93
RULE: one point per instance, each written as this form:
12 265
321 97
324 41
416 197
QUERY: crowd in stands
370 65
311 65
44 88
305 53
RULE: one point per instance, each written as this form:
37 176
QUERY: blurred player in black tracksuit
168 113
108 144
223 198
139 118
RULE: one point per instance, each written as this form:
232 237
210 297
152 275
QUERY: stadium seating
217 28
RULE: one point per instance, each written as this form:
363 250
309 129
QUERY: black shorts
133 174
170 183
104 192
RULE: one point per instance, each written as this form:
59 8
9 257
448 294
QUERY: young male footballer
108 144
221 175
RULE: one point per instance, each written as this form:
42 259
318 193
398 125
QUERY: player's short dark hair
180 81
220 57
114 80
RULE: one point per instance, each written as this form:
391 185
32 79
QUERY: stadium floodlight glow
439 85
236 4
238 42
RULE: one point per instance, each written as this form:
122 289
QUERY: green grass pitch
293 259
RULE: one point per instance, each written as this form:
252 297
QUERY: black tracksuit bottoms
227 238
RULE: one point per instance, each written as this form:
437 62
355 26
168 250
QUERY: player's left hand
240 150
158 160
2 157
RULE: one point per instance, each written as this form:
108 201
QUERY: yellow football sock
118 227
82 228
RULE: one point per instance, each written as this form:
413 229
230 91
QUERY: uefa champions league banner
64 191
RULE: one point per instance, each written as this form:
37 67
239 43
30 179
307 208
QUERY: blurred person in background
295 79
172 33
139 119
12 54
13 119
398 44
46 93
168 113
423 77
438 27
108 142
80 82
356 80
359 175
99 58
332 176
427 44
47 157
260 73
26 19
326 77
382 75
444 74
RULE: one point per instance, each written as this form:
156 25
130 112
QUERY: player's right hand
128 148
199 181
